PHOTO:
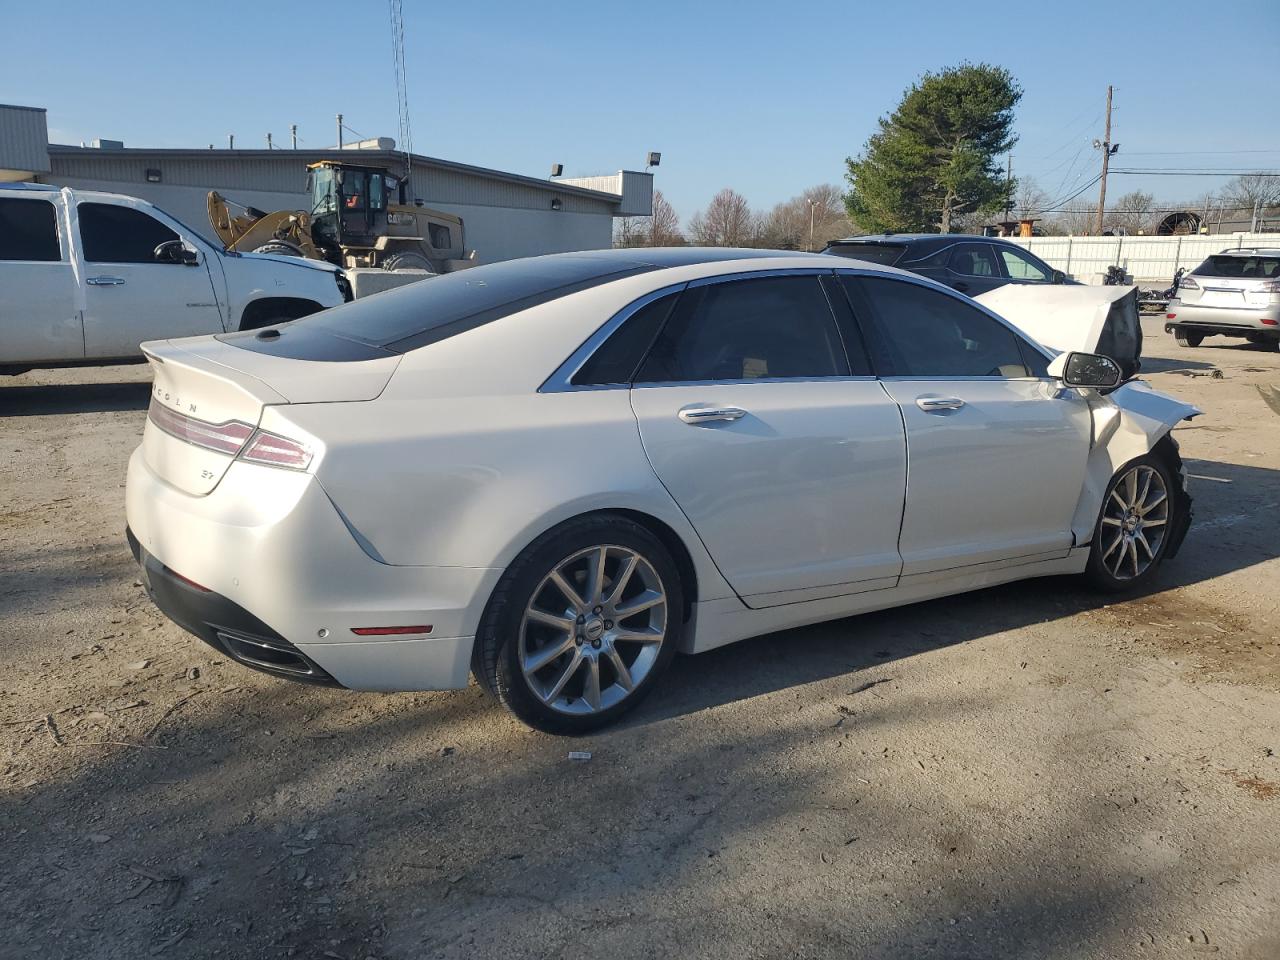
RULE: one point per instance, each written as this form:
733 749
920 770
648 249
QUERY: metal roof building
505 214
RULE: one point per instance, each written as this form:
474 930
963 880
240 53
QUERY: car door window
616 360
113 234
917 331
28 230
764 328
974 260
1022 267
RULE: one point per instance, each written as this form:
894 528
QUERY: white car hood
1061 317
304 262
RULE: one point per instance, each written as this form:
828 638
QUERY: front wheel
1188 339
581 625
1140 513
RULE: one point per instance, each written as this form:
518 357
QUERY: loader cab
348 204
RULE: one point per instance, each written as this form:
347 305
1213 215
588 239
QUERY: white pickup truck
86 277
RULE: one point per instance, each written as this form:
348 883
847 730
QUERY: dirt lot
1025 772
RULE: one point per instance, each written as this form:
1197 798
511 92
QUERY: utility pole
813 205
1106 159
270 146
340 130
1008 187
293 134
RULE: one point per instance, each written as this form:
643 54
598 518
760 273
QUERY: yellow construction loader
353 222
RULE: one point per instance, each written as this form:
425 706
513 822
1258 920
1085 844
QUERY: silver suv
1235 293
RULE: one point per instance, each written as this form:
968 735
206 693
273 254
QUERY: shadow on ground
43 400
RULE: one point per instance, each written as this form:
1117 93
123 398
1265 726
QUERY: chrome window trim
561 381
843 378
967 301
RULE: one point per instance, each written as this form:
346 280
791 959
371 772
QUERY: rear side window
765 328
1248 267
885 253
920 332
974 260
28 230
619 356
114 234
1022 266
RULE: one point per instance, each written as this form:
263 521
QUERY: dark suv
972 265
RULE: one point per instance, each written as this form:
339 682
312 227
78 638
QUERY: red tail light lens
273 450
1271 323
1186 283
226 437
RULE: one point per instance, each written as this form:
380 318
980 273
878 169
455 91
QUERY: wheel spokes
645 601
573 596
541 658
591 684
570 669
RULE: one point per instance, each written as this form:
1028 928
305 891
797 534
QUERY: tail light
273 450
226 437
1271 323
1186 283
1271 286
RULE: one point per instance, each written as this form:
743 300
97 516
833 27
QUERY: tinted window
440 307
920 332
886 253
28 230
1022 266
439 236
974 260
747 330
114 234
1248 267
619 356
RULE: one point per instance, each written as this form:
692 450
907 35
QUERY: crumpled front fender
1127 423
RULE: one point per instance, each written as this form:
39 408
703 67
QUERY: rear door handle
697 415
938 404
105 281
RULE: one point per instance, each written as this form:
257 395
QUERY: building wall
495 233
24 142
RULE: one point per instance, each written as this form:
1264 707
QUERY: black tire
1165 461
495 659
1186 339
280 247
406 260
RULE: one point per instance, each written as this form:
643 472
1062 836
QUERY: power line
1167 172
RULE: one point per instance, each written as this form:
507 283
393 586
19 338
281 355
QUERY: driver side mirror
172 251
1058 277
1092 370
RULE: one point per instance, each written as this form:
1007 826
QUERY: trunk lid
208 396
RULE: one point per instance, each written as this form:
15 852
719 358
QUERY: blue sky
767 98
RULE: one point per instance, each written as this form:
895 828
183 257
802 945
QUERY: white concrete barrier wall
1146 259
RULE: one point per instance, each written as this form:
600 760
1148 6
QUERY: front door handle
939 404
697 415
105 281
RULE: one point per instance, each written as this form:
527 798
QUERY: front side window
974 260
113 234
765 328
28 230
440 236
920 332
353 188
1022 267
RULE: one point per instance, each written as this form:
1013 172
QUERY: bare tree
1131 213
807 222
1250 189
662 229
727 222
1030 202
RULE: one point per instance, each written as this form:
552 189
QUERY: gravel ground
1024 772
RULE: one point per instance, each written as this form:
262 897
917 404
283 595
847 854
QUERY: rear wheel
406 261
1140 512
1186 339
581 625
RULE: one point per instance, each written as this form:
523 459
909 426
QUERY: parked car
972 265
556 472
88 276
1235 293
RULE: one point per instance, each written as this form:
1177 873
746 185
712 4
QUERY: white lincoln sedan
555 473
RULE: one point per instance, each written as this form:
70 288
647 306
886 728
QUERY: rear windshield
1245 267
437 308
886 253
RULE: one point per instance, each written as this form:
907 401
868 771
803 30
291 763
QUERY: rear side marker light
389 631
1271 323
273 450
1170 316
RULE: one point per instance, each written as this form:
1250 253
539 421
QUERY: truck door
130 295
39 314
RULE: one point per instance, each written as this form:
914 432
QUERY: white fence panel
1146 259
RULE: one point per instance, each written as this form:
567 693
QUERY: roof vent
99 144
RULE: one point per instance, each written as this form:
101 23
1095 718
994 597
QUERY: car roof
1249 252
917 238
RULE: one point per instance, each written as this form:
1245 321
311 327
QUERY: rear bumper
282 570
1230 321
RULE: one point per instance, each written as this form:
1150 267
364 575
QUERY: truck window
113 234
441 239
28 230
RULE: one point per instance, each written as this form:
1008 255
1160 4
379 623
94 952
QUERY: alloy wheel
593 629
1135 521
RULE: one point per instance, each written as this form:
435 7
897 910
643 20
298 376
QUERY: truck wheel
1188 339
280 247
407 261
